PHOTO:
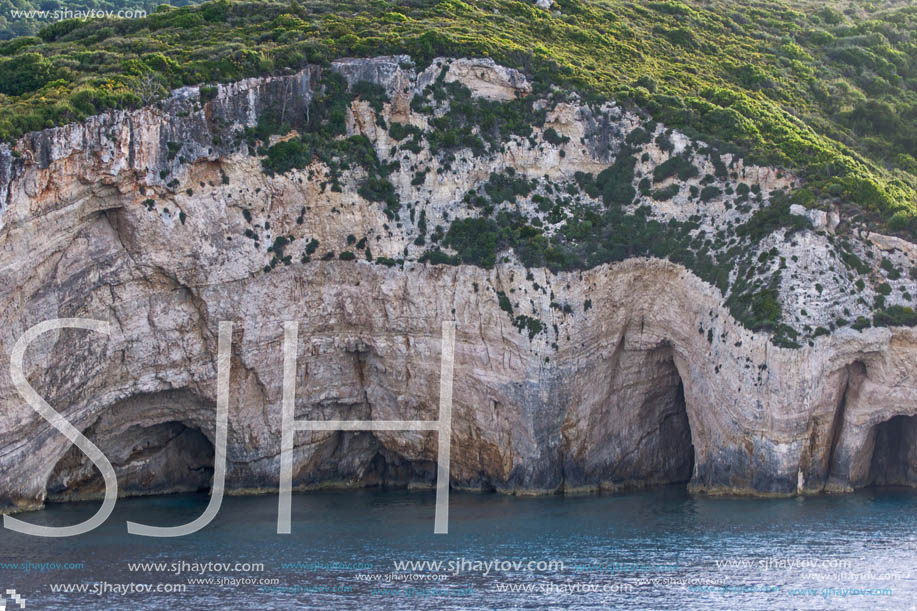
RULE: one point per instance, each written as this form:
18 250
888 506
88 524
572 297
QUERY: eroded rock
638 375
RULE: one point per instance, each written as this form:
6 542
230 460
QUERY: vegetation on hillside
579 222
829 93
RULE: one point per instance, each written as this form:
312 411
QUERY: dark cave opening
645 438
665 448
165 458
676 450
389 469
676 430
894 457
361 459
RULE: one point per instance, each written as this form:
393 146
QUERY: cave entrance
894 457
390 469
361 459
670 445
645 426
165 458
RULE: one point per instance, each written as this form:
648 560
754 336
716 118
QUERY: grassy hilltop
828 90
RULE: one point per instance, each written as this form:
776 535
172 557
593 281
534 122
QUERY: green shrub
677 165
532 325
372 93
506 187
504 302
616 182
895 316
438 257
24 73
587 183
379 189
771 218
208 93
638 136
552 137
475 241
285 156
710 192
666 193
400 131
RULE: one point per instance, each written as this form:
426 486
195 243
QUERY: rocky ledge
716 334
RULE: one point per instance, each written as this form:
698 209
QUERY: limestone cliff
718 350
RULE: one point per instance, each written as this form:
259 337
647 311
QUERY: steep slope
633 306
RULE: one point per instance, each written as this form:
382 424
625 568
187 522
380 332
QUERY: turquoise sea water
642 550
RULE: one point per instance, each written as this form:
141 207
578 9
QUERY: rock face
630 373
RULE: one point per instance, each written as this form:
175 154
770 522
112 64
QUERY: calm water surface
642 550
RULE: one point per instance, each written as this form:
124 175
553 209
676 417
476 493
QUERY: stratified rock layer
643 378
